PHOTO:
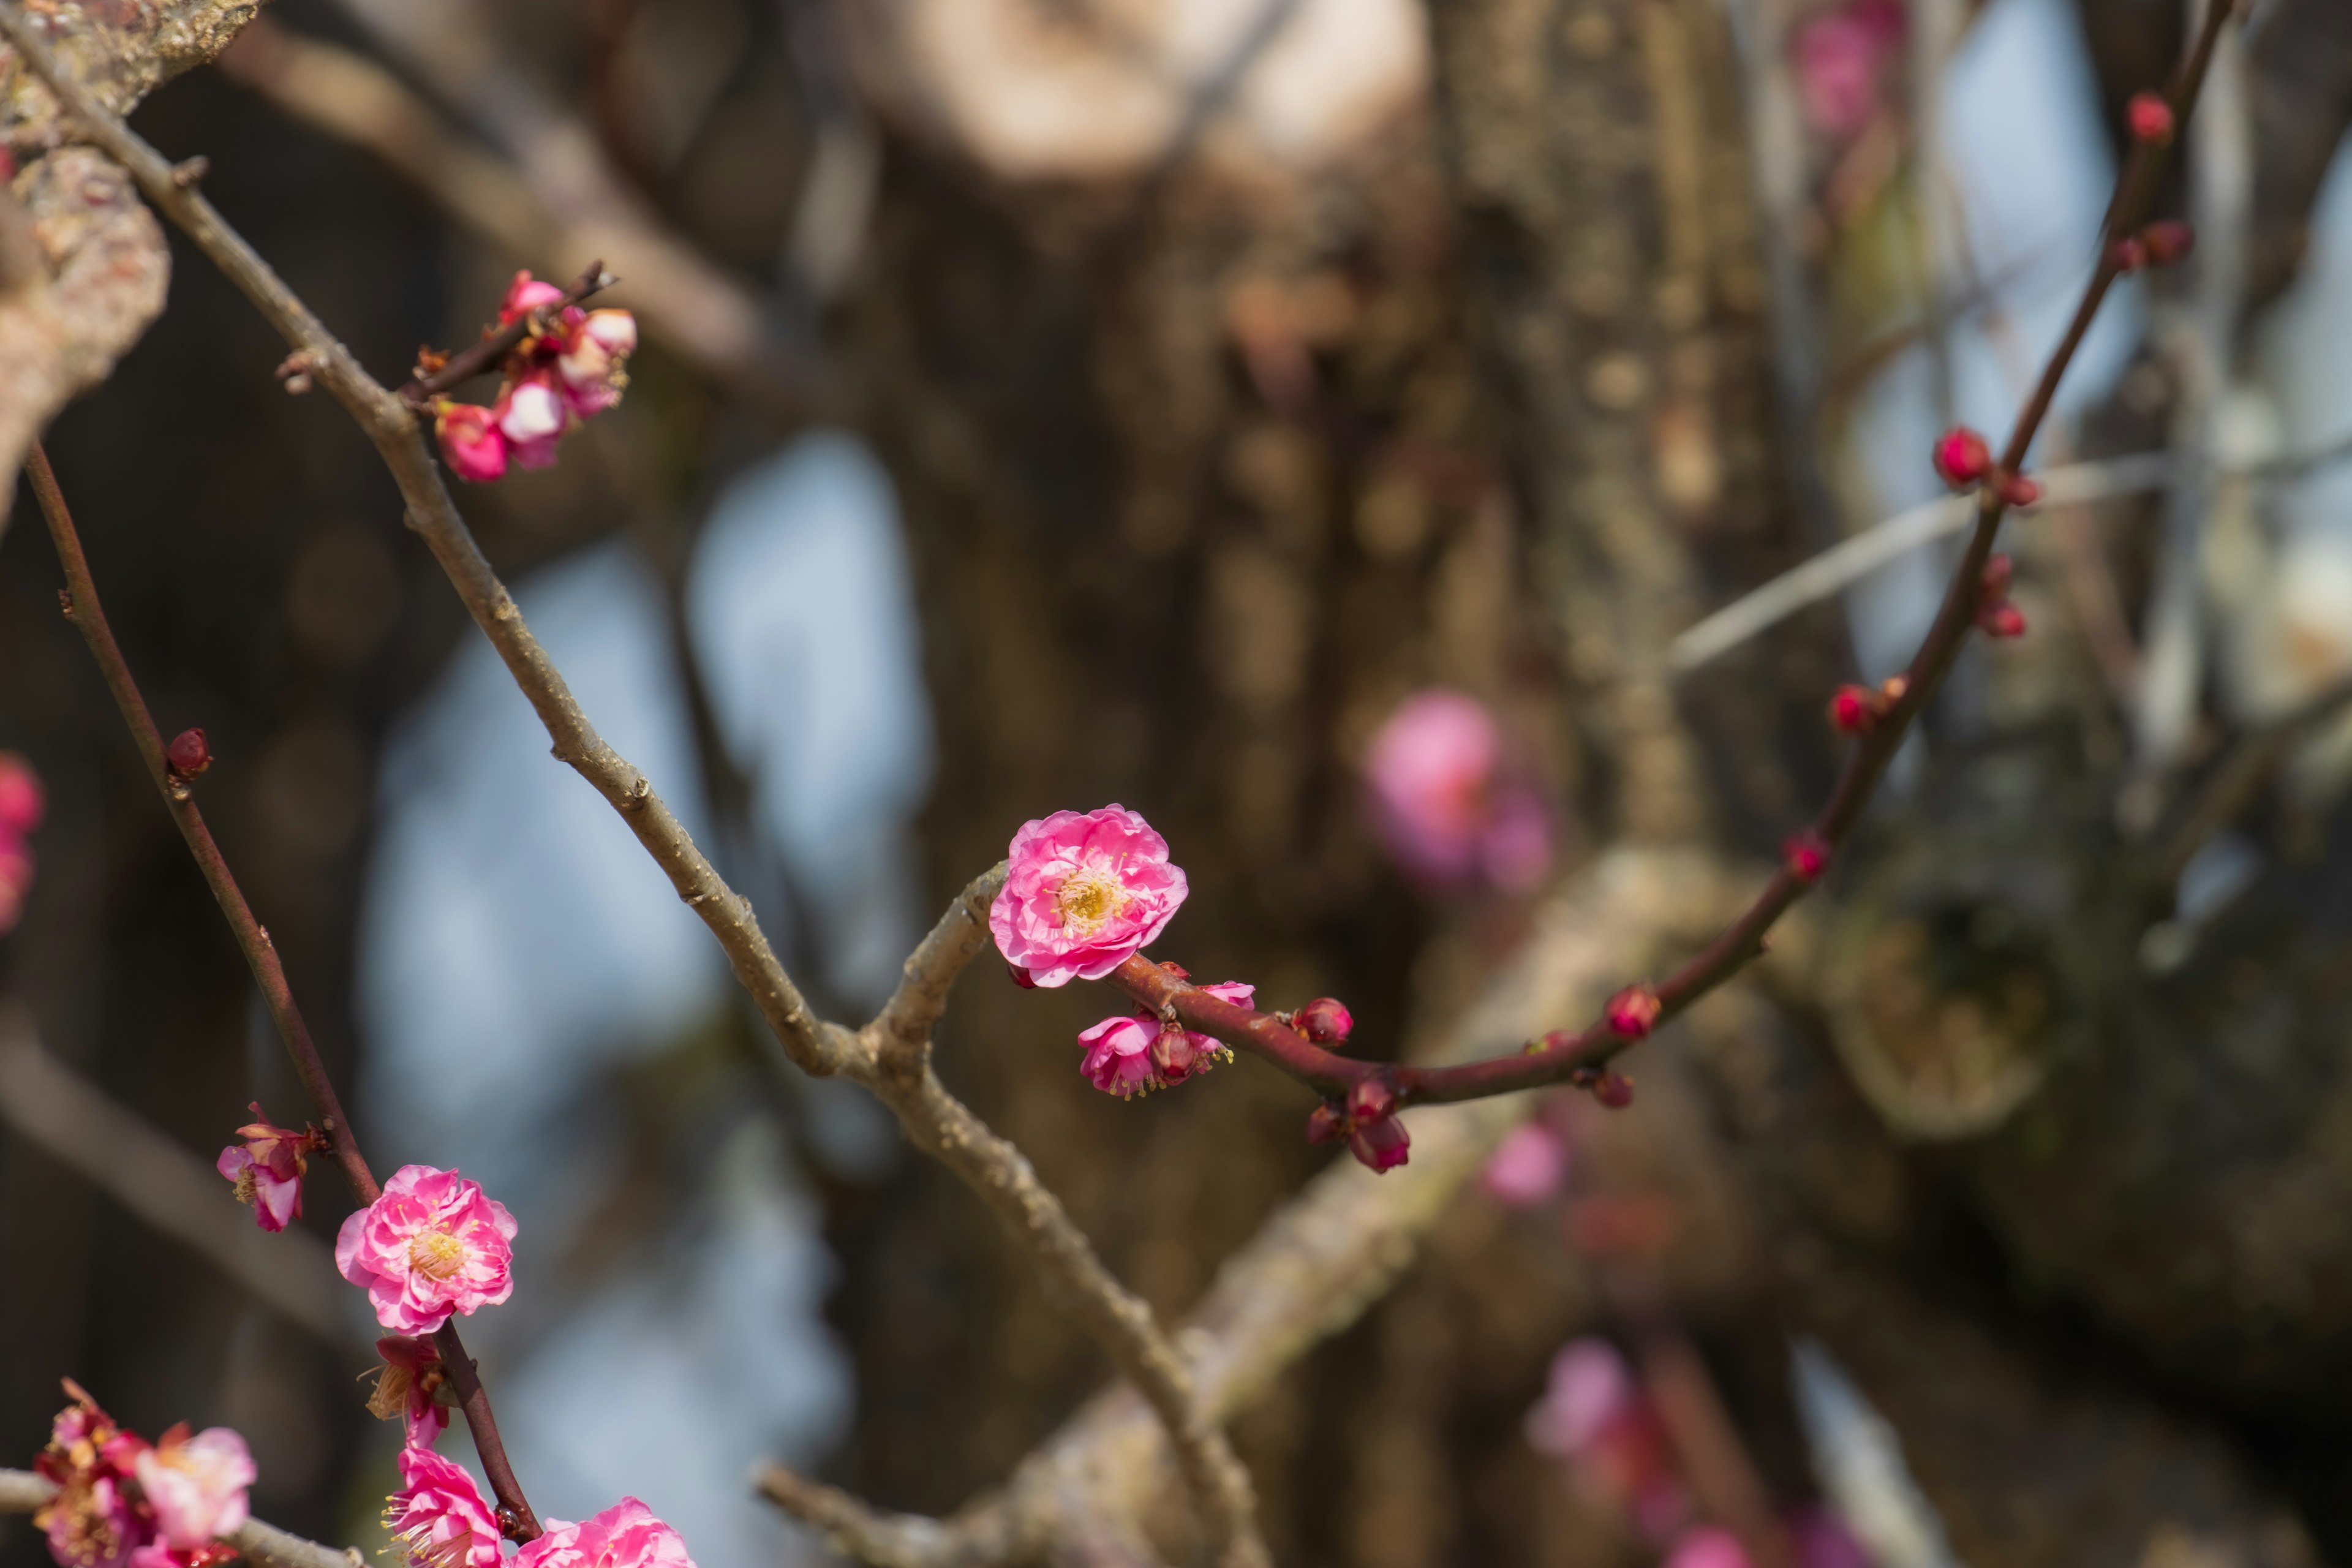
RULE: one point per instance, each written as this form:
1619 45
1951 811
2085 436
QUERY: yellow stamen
1086 900
436 1254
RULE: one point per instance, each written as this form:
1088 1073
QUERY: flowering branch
936 1121
22 1491
1580 1055
468 363
172 767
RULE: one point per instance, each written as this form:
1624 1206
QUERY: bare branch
901 1034
881 1539
71 1119
22 1491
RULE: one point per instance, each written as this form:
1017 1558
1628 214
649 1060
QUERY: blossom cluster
124 1503
21 808
569 364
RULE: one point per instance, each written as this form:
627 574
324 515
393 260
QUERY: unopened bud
1853 710
1998 570
1381 1145
1178 970
2150 118
1021 977
2128 254
1632 1013
1962 458
1326 1123
1326 1021
187 754
2001 620
1613 1089
1172 1054
2167 241
1805 856
1371 1099
2016 489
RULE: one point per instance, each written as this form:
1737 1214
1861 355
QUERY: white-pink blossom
431 1244
1082 893
591 364
196 1485
533 417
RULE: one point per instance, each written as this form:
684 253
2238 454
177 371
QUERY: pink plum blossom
1706 1546
471 442
1840 58
625 1535
1528 1166
1083 892
1590 1389
267 1168
524 295
1444 805
533 417
431 1244
196 1485
438 1516
406 1385
1595 1417
21 800
591 364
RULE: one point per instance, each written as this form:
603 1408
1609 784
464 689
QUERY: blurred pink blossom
196 1485
1706 1547
1594 1416
1528 1166
1082 893
532 415
21 802
524 295
267 1169
471 442
439 1517
1841 58
1445 805
594 345
431 1244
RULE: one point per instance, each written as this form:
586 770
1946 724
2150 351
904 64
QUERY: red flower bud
2128 254
1382 1144
2167 241
1614 1091
1172 1054
2016 489
1326 1021
1962 458
2151 118
1021 977
1632 1013
1999 569
1371 1099
1326 1123
2001 619
1805 856
187 754
1853 710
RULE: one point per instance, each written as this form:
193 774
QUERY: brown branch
22 1491
82 607
74 1122
1563 1055
901 1034
993 1168
468 363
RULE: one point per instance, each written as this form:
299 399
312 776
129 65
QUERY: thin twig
1563 1055
1120 1320
900 1034
123 1154
82 607
22 1491
468 363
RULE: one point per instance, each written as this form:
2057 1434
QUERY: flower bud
1172 1054
1962 458
2150 118
1613 1089
187 754
1326 1123
21 800
471 442
1022 977
1370 1098
1998 571
1326 1021
1853 710
2016 489
1381 1145
2001 619
2167 241
2128 254
1632 1013
1804 857
524 295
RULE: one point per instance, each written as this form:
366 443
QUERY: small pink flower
267 1168
438 1516
1441 800
532 415
524 295
431 1244
1381 1144
1083 892
21 800
1528 1166
196 1485
590 363
406 1385
625 1535
471 442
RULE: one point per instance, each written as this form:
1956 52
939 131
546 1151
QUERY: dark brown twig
468 363
1563 1055
82 607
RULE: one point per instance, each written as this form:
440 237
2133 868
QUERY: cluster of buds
21 808
569 365
267 1169
1859 710
1996 615
124 1503
1965 461
1367 1118
2165 243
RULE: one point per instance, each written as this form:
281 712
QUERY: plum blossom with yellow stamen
1083 892
439 1518
430 1245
